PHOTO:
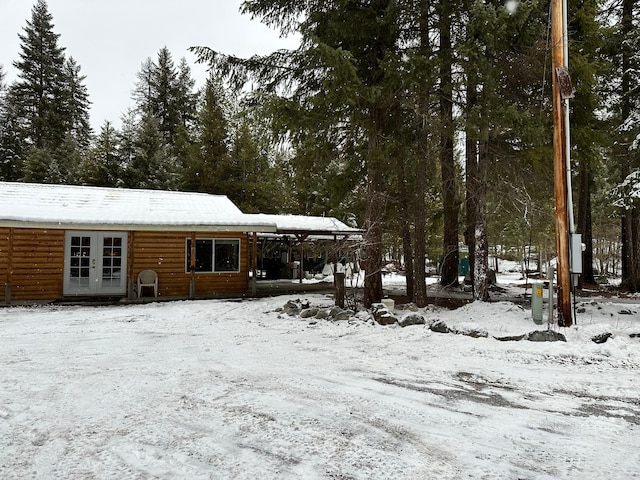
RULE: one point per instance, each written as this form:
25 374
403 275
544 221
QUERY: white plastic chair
148 278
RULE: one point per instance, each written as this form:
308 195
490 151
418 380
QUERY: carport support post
254 264
339 294
301 239
7 290
192 267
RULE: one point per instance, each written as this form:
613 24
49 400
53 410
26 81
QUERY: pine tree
501 62
103 166
450 253
10 152
47 106
627 128
152 166
78 104
165 93
39 92
587 127
126 137
336 81
206 168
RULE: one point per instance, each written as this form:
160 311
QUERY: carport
301 246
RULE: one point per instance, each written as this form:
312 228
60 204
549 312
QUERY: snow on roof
59 206
307 225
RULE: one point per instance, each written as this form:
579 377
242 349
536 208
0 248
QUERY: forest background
426 122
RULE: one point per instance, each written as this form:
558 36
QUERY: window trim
213 241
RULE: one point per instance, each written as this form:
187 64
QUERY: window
215 255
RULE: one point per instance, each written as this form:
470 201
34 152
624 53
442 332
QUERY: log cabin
63 242
68 242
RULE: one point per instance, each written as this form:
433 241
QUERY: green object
463 266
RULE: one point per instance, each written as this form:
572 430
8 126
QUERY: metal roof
82 207
307 225
100 208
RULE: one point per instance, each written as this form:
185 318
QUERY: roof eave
138 227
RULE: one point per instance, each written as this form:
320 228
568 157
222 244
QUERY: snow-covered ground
238 390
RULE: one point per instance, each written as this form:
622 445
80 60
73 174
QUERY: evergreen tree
47 106
626 125
103 166
78 104
207 168
587 126
165 93
144 89
10 152
337 81
126 140
164 97
450 253
39 92
501 61
152 165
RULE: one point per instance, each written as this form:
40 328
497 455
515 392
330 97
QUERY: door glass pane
111 262
79 258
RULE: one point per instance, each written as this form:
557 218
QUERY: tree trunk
405 228
420 296
450 253
631 219
481 265
584 222
471 163
420 293
374 222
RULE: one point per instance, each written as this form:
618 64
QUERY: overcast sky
110 40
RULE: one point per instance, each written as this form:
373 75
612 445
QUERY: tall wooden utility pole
558 38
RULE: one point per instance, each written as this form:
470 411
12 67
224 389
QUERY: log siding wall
32 264
166 254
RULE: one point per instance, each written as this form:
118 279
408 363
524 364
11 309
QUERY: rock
385 318
382 315
335 311
291 308
411 307
545 336
515 338
439 327
625 312
308 313
364 316
344 315
412 319
473 331
601 338
322 314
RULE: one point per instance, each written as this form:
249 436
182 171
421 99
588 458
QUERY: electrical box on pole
576 253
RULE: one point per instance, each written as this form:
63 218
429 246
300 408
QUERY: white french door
95 263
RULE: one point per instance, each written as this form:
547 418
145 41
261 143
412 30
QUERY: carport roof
302 225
